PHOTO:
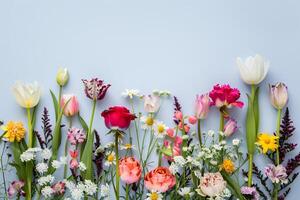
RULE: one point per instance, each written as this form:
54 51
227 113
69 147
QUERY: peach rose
160 179
130 170
211 184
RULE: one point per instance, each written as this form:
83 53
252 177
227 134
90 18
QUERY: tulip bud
62 76
202 105
178 115
152 103
278 95
72 106
253 70
192 120
230 127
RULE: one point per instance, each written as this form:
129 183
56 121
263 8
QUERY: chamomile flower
154 196
131 93
110 159
127 146
160 129
147 122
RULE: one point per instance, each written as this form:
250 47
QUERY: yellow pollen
160 128
128 146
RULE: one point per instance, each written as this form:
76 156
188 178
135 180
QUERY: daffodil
14 131
267 142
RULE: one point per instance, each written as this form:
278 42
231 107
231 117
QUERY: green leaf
19 165
87 156
55 104
166 151
83 123
250 127
2 135
234 187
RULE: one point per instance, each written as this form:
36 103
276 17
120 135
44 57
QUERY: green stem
221 128
278 135
159 158
199 132
92 117
30 136
59 98
117 166
250 169
2 169
66 149
127 192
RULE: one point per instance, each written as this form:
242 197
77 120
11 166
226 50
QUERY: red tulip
117 117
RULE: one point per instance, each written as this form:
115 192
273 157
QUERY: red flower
224 95
117 117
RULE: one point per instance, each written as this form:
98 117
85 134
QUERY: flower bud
62 76
230 127
278 95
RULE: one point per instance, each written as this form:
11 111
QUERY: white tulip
27 94
253 70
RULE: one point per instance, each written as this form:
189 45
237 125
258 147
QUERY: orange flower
14 131
130 170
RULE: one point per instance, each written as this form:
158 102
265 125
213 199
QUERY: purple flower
277 174
16 188
250 193
95 88
76 135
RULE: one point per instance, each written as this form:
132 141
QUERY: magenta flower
76 135
250 193
16 188
230 127
277 174
225 96
95 88
202 105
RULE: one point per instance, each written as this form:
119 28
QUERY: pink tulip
230 127
73 162
202 105
130 170
192 120
279 95
72 107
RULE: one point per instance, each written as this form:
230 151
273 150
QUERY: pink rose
160 179
72 107
130 170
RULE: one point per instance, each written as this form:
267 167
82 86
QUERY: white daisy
127 146
154 196
147 122
160 129
186 191
110 159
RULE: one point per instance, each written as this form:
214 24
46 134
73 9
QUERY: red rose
117 117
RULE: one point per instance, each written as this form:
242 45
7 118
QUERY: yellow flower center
128 146
154 196
111 157
267 140
160 128
149 121
228 166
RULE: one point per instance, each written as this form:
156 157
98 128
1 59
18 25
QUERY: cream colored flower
27 94
62 76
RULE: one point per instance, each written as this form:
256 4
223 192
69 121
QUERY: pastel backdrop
182 46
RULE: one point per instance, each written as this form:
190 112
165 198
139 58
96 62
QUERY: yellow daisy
267 142
14 131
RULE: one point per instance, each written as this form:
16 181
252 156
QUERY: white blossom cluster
78 190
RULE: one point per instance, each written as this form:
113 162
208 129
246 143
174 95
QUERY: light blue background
183 46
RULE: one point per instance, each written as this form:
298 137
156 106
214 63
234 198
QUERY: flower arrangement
189 163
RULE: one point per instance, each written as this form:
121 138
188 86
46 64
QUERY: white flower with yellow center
110 159
147 122
154 196
160 129
127 146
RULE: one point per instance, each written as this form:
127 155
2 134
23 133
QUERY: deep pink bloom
59 188
72 107
117 117
130 170
95 88
224 95
202 105
160 179
76 136
73 162
186 127
230 127
16 188
192 119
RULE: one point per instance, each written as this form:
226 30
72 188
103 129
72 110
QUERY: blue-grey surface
183 46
